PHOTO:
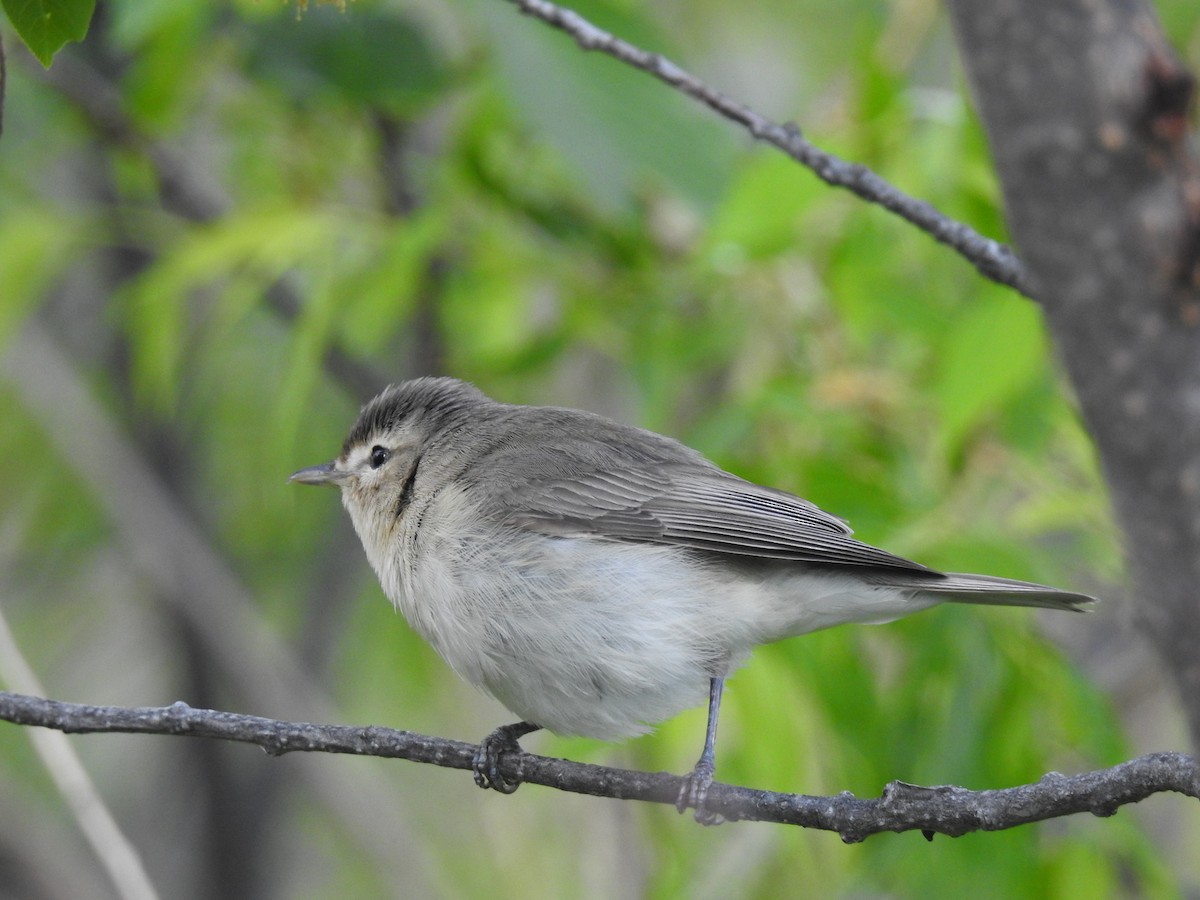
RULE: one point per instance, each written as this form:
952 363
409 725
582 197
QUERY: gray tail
957 587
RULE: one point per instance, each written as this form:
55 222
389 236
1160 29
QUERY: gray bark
1085 108
943 809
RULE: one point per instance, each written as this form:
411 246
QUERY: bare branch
902 807
112 846
992 259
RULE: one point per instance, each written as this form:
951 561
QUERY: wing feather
692 506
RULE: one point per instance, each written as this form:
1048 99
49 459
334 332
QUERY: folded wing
699 508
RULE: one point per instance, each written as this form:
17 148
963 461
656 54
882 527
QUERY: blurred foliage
302 207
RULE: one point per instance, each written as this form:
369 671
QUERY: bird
597 578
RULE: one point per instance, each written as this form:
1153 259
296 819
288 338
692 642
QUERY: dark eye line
406 492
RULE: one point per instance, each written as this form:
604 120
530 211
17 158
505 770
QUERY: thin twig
902 807
117 854
992 259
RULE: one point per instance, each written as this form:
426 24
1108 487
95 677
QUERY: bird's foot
694 792
486 764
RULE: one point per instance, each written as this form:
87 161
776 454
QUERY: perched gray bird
597 578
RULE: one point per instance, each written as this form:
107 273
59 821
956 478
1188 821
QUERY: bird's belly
579 636
599 637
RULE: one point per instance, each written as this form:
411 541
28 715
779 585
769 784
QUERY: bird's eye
379 455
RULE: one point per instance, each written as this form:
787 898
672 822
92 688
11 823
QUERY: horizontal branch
944 809
992 259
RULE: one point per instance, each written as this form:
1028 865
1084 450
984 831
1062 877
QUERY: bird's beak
326 473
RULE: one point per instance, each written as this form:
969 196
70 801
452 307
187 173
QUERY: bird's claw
486 763
694 792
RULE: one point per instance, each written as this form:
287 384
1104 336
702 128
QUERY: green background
455 187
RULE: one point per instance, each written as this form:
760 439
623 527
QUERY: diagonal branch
113 848
172 554
992 259
943 809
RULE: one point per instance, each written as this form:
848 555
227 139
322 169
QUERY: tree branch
992 259
943 809
1089 131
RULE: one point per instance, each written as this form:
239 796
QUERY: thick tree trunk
1085 108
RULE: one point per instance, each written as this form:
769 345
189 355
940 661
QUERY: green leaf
250 249
380 290
994 351
365 57
35 247
762 214
45 25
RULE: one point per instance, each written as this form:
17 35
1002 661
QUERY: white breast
578 635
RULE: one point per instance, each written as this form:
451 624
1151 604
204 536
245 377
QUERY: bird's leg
486 764
697 782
